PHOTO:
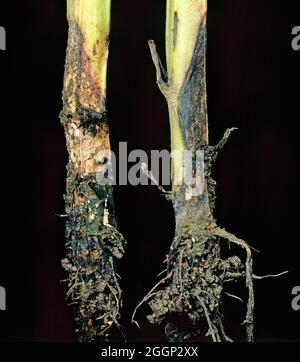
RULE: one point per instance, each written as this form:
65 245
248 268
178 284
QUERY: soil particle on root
93 248
196 273
195 287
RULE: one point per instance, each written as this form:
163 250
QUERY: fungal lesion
93 242
88 143
88 48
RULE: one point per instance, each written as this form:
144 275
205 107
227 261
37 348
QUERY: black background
253 78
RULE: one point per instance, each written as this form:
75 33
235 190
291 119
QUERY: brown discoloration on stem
91 96
192 108
87 151
196 271
82 93
81 88
175 29
93 241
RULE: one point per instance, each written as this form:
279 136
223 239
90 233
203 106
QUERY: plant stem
93 242
196 271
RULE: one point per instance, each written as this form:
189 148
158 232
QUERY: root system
196 274
93 247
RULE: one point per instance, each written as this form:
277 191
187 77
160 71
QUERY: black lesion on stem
90 119
192 106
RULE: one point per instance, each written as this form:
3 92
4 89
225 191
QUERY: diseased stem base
196 276
93 241
92 249
196 273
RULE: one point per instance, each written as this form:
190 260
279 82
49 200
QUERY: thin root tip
136 323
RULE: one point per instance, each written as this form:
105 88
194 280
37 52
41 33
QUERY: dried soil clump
94 245
196 273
